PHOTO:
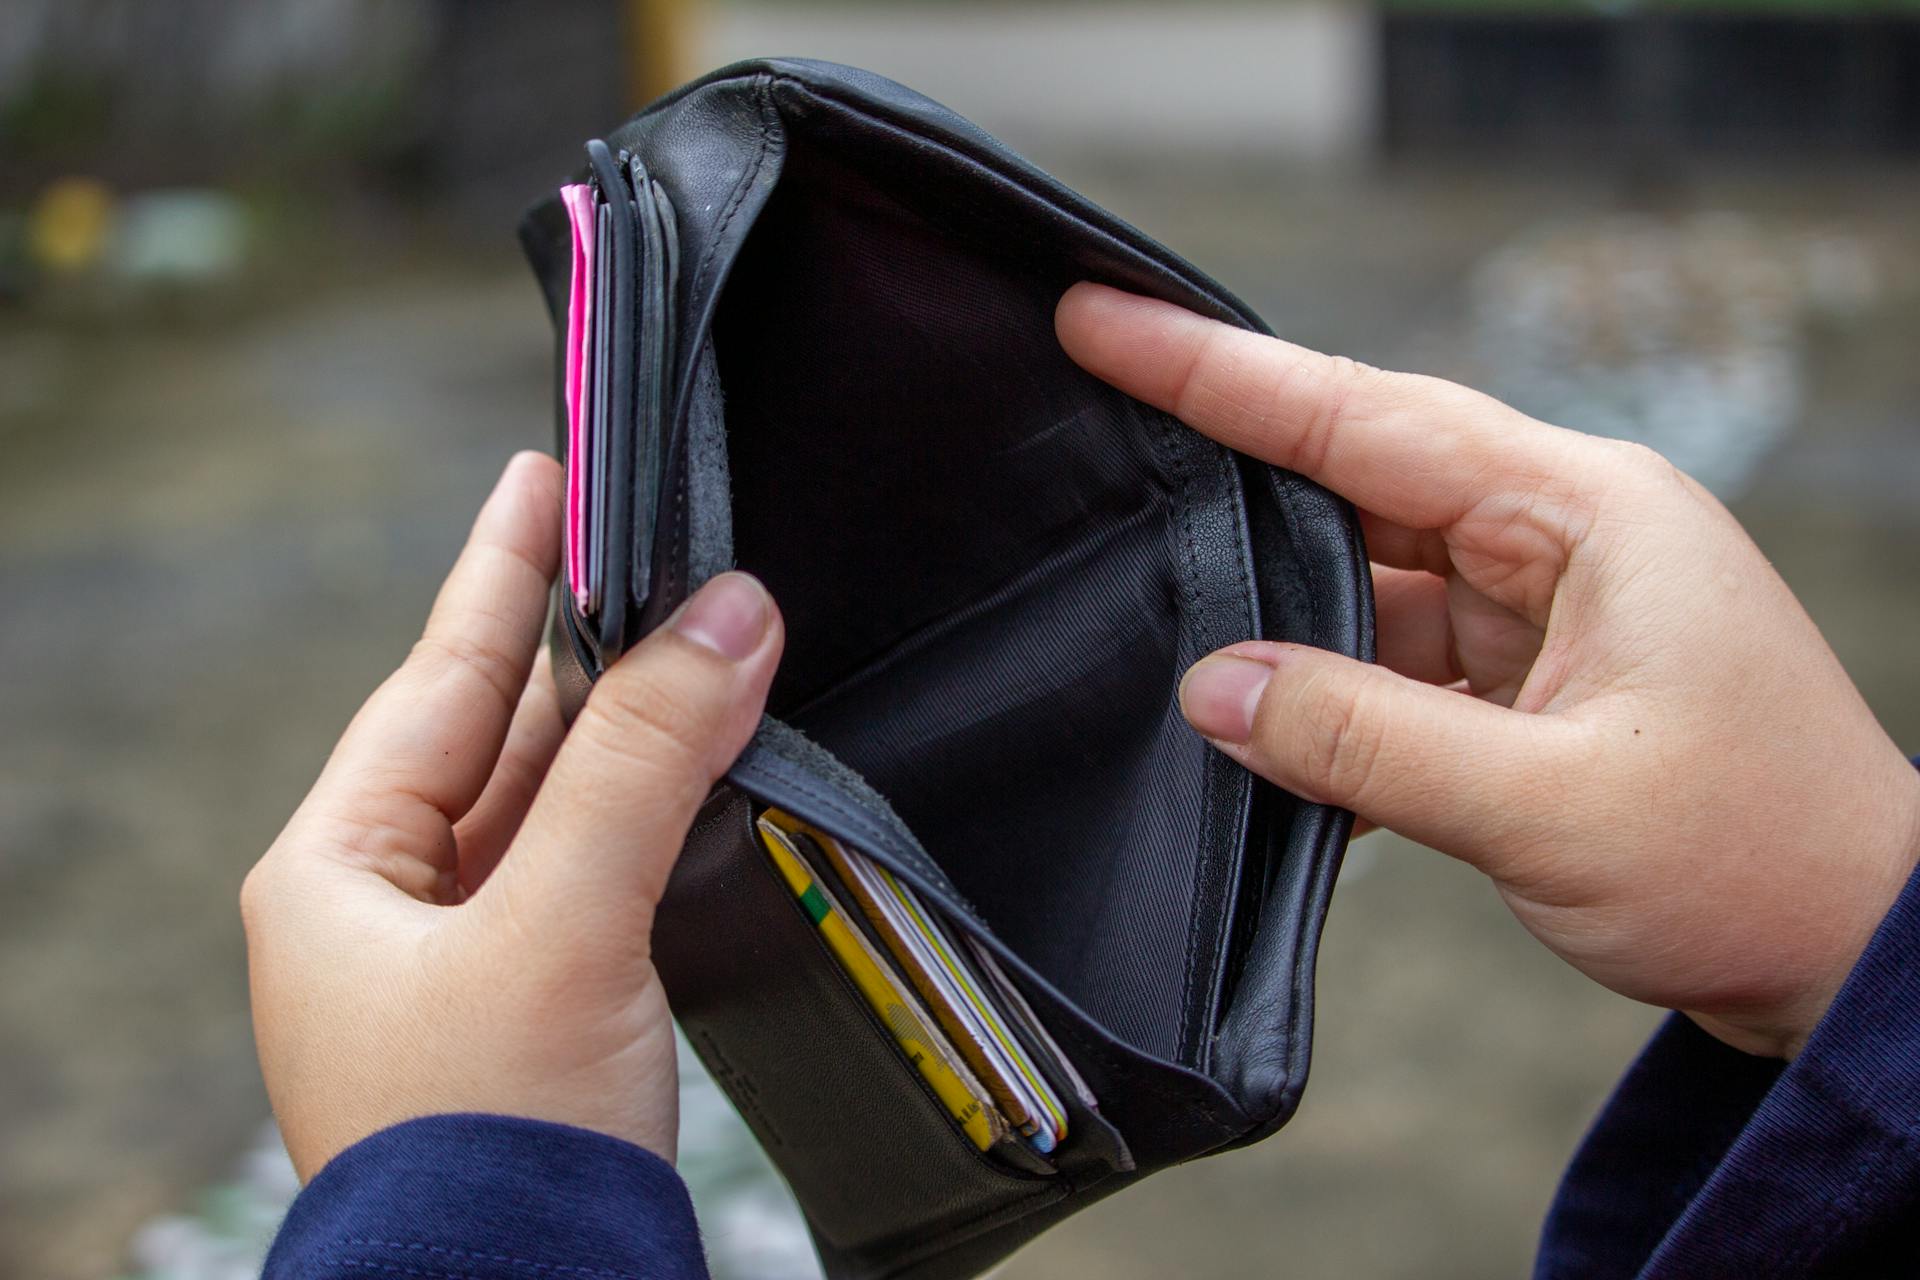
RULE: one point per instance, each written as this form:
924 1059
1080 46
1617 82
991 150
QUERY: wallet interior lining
979 548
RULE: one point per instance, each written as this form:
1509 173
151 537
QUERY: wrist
1889 839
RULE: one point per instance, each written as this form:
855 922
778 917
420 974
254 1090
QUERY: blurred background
265 340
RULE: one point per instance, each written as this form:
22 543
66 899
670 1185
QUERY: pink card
578 198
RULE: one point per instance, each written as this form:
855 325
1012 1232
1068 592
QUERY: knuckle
1210 363
655 721
409 847
1344 373
517 561
1644 462
1334 382
256 896
1648 479
1339 741
437 655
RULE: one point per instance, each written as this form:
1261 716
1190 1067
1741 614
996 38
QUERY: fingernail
729 615
1220 694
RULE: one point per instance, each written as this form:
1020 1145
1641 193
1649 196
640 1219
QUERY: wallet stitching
1188 978
763 103
739 194
1300 990
1301 981
1222 935
1205 874
1170 450
678 524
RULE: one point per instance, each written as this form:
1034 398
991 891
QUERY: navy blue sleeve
1710 1162
470 1197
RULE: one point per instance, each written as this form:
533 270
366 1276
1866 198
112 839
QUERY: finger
1414 628
1416 450
1399 547
532 739
1475 780
658 730
433 731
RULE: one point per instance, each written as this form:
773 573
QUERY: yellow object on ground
68 226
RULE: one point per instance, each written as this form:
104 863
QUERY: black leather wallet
834 365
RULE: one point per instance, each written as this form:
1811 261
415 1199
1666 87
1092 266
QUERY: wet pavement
218 532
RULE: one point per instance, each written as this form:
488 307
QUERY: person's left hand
458 916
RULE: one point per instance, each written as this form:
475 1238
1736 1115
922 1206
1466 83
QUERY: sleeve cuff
1710 1161
1669 1123
491 1198
1830 1151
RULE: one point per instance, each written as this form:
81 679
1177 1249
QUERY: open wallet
977 931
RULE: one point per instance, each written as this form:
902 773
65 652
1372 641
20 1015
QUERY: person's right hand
1661 765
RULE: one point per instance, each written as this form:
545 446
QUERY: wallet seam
912 857
1326 863
763 105
1279 485
1206 871
1195 1107
1169 450
1222 938
739 194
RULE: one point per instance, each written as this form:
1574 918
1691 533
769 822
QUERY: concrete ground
217 532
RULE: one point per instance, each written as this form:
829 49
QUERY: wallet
815 341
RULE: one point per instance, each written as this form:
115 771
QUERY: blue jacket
1705 1162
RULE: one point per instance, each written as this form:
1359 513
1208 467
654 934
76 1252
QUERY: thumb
660 727
1438 766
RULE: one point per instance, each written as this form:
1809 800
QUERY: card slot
871 1154
963 993
1138 1091
616 476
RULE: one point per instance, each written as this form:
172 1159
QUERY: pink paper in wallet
578 198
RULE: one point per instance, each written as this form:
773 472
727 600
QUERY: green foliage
55 111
